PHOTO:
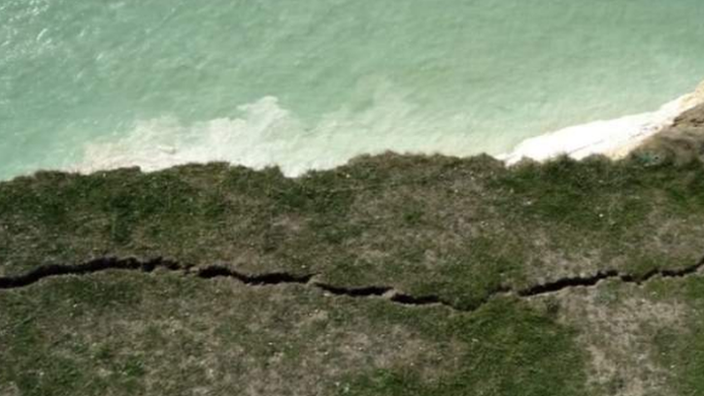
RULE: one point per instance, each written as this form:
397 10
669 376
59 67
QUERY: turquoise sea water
311 83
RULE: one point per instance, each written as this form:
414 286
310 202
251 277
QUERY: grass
442 222
510 349
681 350
127 333
457 229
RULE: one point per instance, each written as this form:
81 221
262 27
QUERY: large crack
309 280
601 276
269 279
211 272
91 267
389 293
132 264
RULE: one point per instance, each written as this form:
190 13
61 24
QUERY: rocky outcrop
682 142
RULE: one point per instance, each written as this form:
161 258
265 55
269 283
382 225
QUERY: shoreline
614 138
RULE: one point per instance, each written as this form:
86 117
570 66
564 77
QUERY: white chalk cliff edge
613 138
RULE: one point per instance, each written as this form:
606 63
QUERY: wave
267 134
613 138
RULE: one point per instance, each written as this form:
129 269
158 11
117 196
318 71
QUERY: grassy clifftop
459 228
398 275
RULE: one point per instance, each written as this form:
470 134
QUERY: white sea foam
613 138
267 134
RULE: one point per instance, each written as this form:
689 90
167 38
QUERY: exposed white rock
613 138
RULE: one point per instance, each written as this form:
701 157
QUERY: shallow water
310 83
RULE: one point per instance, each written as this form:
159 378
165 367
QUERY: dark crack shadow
594 280
269 279
308 280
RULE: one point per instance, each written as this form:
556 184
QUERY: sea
310 84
